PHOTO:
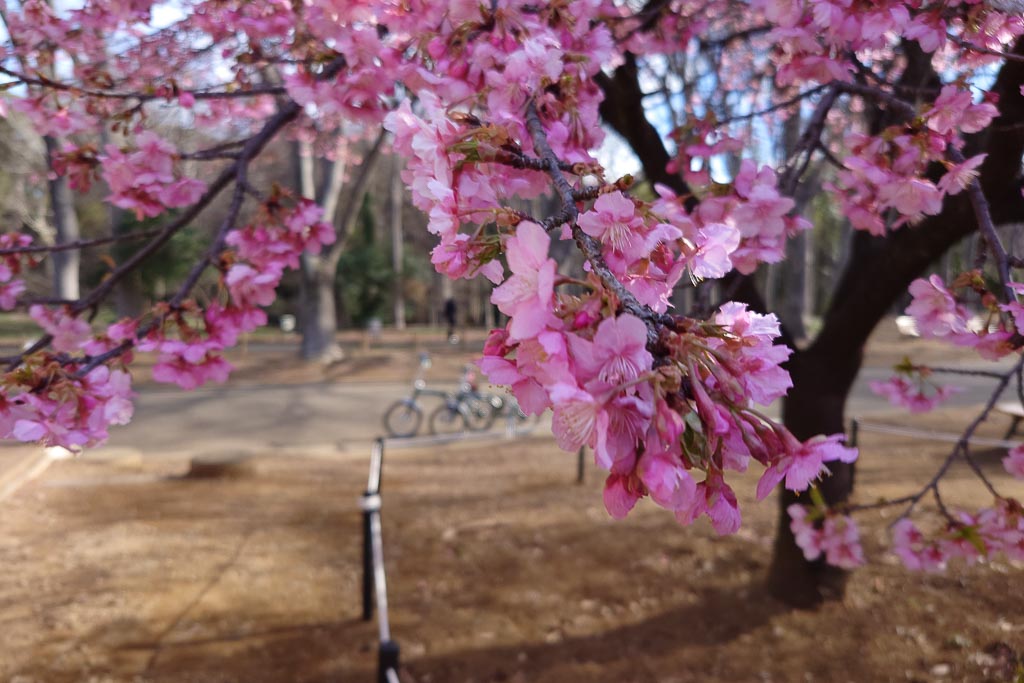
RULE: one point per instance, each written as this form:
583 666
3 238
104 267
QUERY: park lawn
500 568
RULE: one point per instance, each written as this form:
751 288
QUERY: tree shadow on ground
716 618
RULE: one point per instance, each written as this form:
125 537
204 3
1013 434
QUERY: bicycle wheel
447 419
479 412
403 419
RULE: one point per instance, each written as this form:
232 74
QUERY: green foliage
161 272
365 276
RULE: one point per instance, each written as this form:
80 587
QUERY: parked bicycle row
465 409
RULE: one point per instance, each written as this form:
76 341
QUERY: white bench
1015 411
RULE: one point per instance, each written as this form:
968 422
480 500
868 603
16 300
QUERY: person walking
449 316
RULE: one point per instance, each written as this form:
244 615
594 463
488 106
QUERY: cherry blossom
493 106
901 392
1014 462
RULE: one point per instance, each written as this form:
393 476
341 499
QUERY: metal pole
580 464
387 662
367 504
370 503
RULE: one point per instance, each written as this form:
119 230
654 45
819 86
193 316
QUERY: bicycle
467 409
403 417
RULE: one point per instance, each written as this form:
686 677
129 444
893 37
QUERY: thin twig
80 244
809 141
590 247
253 146
961 447
988 229
78 90
796 99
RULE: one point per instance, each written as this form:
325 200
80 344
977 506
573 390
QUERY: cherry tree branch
984 50
236 171
590 247
50 84
809 141
81 244
962 447
988 229
796 99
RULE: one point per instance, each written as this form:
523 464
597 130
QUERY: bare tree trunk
397 256
319 309
318 320
318 313
65 223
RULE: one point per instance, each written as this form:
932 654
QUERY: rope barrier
946 437
511 431
374 577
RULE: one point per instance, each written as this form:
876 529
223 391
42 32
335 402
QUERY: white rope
438 439
932 436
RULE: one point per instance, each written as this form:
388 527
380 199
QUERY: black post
854 428
580 463
367 558
387 658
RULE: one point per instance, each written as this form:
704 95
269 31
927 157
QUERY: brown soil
500 568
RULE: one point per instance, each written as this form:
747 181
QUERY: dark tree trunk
65 223
822 378
876 273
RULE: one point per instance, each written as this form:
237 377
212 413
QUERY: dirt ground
500 568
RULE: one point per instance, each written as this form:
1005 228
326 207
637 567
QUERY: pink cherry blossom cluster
827 41
190 343
60 402
993 531
739 225
886 172
651 425
10 266
56 407
145 180
834 536
517 58
637 248
372 57
816 38
69 399
657 398
913 388
939 314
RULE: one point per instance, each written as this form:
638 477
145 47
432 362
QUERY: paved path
332 417
313 415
